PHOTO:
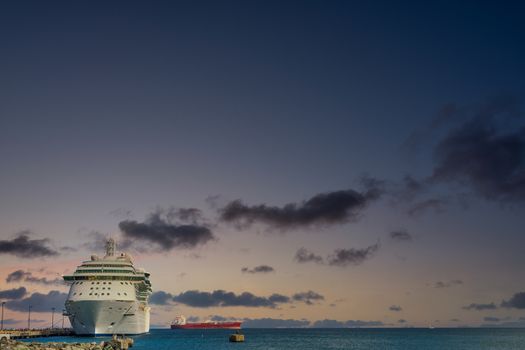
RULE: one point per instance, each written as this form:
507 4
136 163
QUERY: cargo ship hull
208 325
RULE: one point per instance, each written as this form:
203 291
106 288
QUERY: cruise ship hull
99 317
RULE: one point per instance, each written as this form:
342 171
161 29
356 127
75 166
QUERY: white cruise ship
108 295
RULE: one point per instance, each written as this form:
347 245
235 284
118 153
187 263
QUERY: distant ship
180 323
108 295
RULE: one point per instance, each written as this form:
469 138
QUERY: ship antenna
110 247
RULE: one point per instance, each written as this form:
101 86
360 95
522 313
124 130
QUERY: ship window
90 293
118 293
104 282
91 288
96 293
121 283
109 282
98 282
96 288
125 293
80 294
74 293
112 323
103 287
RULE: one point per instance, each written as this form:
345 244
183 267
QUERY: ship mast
110 247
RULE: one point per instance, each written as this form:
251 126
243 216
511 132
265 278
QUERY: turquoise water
310 339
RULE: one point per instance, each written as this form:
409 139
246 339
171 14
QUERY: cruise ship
108 295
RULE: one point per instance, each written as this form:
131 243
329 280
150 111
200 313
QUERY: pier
37 333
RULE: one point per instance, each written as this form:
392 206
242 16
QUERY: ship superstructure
108 295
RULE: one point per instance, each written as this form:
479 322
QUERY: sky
285 163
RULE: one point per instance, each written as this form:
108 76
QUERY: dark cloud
219 318
346 324
400 236
26 276
486 153
441 284
352 256
322 209
24 247
491 319
480 307
279 298
308 297
221 298
160 229
11 321
517 301
438 205
258 269
303 256
39 302
16 293
187 215
274 323
160 298
395 308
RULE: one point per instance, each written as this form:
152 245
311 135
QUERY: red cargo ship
180 323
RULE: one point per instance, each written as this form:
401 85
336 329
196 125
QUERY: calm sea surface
310 339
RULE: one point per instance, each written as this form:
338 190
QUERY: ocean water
310 339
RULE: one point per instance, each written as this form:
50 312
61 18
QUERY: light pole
2 326
29 317
52 317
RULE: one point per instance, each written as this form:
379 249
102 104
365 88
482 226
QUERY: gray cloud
160 298
441 284
491 319
26 276
308 297
322 209
187 215
483 155
258 269
221 298
303 256
327 323
400 236
340 257
39 302
480 307
24 247
352 256
438 205
160 229
274 323
517 301
395 308
16 293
